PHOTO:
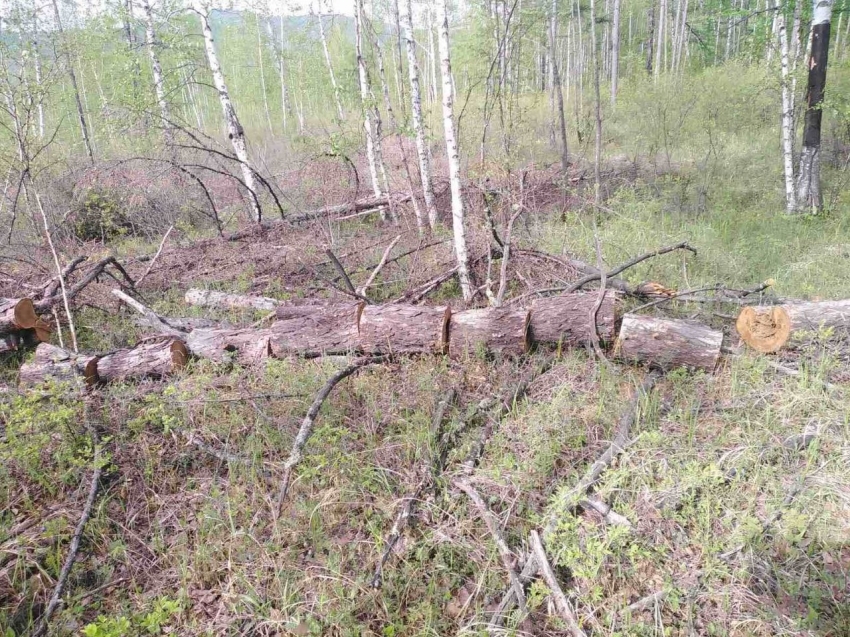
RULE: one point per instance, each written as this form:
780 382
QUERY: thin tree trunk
594 57
615 52
452 155
809 196
263 74
281 69
556 86
430 26
340 113
37 66
84 129
234 127
662 32
682 38
416 113
787 117
399 56
158 83
651 40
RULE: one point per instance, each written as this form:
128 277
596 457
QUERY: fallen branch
151 318
594 326
307 424
341 271
561 603
362 289
156 256
401 520
609 515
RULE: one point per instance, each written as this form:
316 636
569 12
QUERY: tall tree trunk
594 57
36 57
787 116
809 196
651 39
399 63
263 74
84 129
615 52
234 127
661 39
452 154
340 113
682 35
416 113
432 52
556 86
285 107
158 82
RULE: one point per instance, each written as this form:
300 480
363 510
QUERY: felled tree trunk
491 331
315 329
403 329
566 318
211 298
54 363
245 346
668 343
20 326
768 328
153 359
17 340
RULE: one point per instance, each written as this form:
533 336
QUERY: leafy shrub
100 217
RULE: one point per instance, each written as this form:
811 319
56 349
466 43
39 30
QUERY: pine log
17 314
566 318
404 329
152 359
315 329
54 363
246 346
767 328
668 343
499 330
18 340
212 298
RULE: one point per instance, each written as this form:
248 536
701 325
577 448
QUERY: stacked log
566 318
307 330
20 326
502 330
56 364
403 329
768 328
668 343
212 298
152 359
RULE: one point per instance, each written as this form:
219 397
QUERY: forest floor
735 485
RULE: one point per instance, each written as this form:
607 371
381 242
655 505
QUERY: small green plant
100 218
108 627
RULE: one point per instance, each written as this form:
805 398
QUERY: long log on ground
245 346
668 343
404 329
315 329
212 298
56 364
153 359
768 328
499 330
564 318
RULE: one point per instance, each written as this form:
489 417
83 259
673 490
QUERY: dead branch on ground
548 574
156 256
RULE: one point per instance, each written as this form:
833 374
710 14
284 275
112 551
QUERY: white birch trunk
452 155
416 112
37 65
430 26
263 74
615 52
787 117
661 31
234 128
156 67
281 70
340 113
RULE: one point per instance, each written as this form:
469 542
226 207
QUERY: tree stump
245 346
315 329
668 343
767 328
566 318
499 330
403 329
54 363
212 298
152 359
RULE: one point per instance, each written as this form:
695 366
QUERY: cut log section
311 330
152 359
17 314
566 318
245 346
56 364
767 328
493 331
212 298
403 329
668 343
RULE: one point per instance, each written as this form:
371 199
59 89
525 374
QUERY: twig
506 250
156 256
504 551
608 514
152 319
645 602
52 286
395 533
307 424
74 548
676 296
378 267
561 602
594 311
341 271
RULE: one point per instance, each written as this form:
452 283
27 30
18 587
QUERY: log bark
668 343
768 328
563 319
315 329
14 341
403 329
57 364
212 298
493 330
152 359
245 346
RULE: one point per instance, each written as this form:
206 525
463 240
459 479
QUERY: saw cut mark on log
212 298
498 330
668 343
154 359
404 329
54 363
308 330
563 318
768 328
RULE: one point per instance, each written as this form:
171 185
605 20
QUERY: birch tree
416 115
787 115
558 94
615 51
809 196
158 82
338 100
452 154
231 120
